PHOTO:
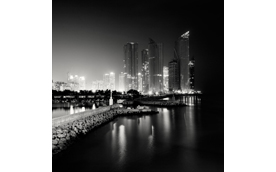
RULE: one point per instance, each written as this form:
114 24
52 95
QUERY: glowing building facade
155 66
73 82
131 65
112 81
82 83
192 73
109 81
106 81
166 78
174 84
97 85
182 56
145 70
140 83
59 86
122 82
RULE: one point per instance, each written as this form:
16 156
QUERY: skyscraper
59 86
109 81
122 82
131 65
155 66
145 71
73 82
82 83
112 81
174 84
192 73
106 81
140 83
166 78
97 85
182 56
94 86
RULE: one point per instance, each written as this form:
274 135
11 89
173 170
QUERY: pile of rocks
64 135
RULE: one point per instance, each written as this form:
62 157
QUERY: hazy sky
88 37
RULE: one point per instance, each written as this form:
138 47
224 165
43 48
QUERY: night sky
88 37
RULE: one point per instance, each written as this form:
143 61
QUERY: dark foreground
186 139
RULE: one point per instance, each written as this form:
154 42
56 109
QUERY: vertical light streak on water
71 109
122 145
166 123
93 107
113 140
150 144
190 126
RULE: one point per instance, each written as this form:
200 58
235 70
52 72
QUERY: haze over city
88 37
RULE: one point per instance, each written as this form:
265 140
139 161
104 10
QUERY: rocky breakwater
64 135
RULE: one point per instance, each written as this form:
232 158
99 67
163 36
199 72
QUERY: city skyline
88 37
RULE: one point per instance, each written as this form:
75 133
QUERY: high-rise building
59 86
106 82
140 83
121 82
192 73
73 82
155 66
166 78
97 85
131 65
82 83
182 56
145 70
174 84
112 81
109 81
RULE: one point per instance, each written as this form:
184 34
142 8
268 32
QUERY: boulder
55 142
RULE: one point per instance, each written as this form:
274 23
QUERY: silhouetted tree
133 92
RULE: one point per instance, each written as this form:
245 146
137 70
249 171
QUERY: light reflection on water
63 110
172 140
122 144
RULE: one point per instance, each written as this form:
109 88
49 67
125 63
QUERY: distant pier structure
188 99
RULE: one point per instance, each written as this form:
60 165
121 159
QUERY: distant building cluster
74 83
154 77
108 82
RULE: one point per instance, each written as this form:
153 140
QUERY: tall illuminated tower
73 82
182 56
112 81
192 73
106 82
122 81
145 70
131 65
155 66
82 83
140 83
166 78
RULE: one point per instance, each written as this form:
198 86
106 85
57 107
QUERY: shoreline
65 134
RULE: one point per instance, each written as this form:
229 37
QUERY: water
59 110
186 139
